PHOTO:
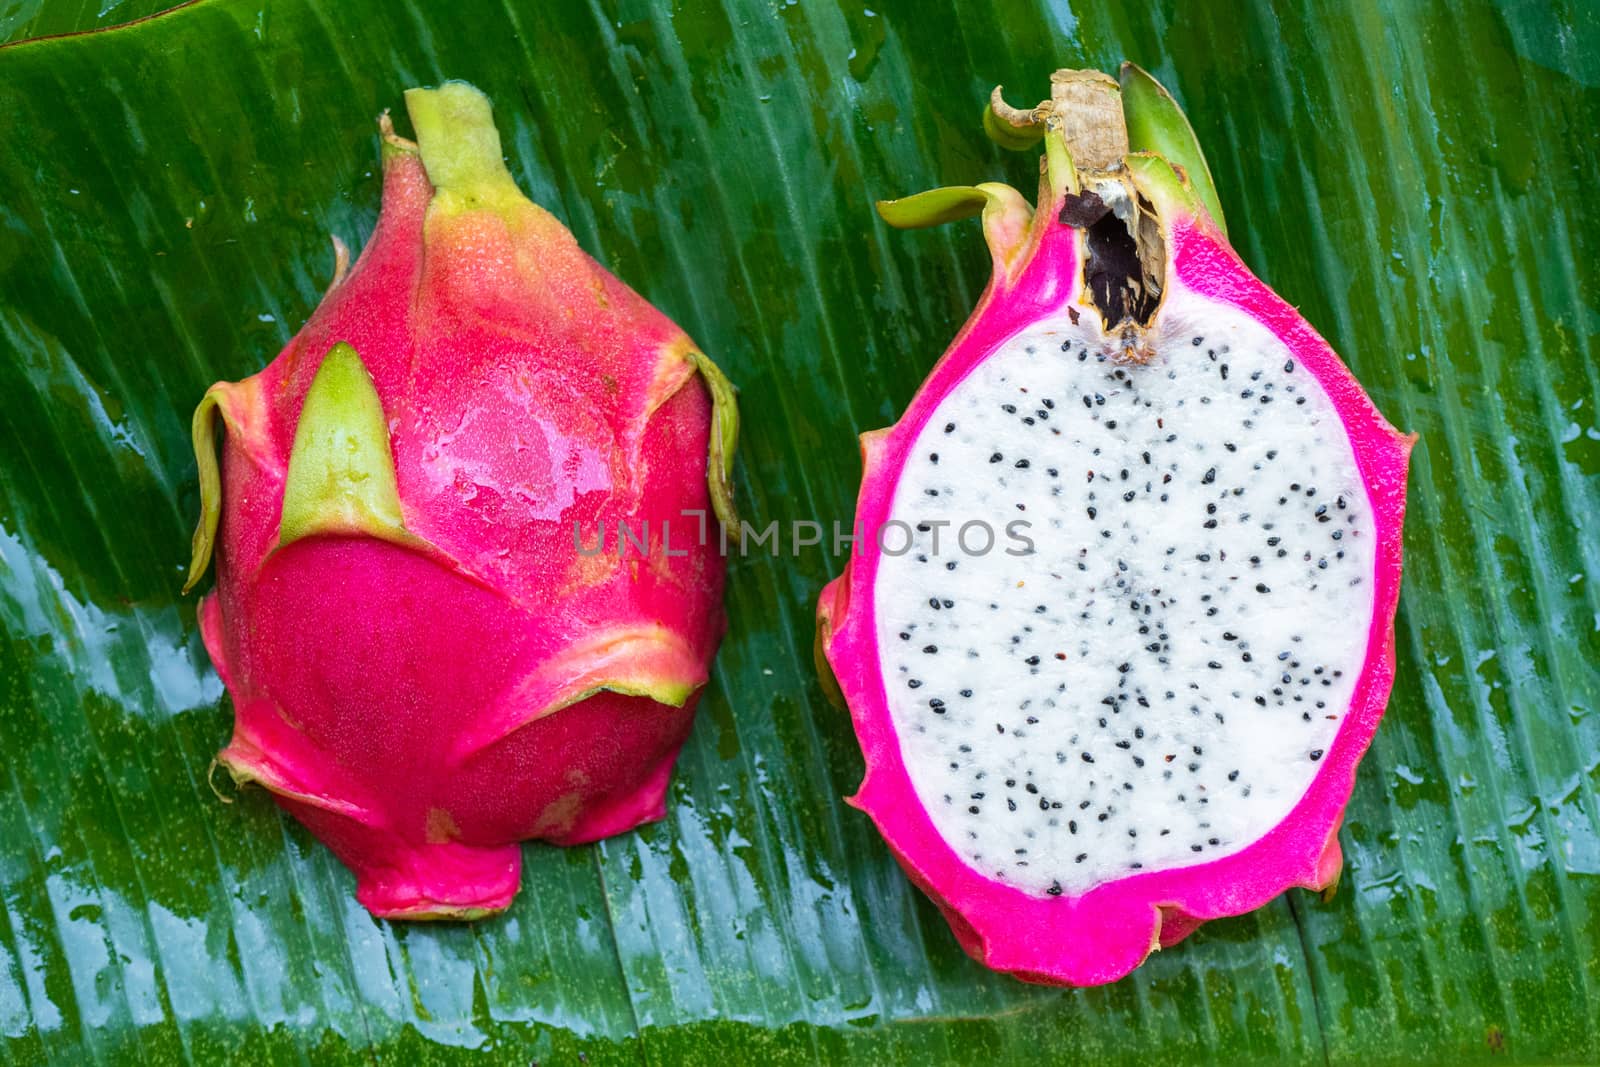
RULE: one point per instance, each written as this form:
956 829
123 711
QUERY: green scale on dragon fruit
1153 717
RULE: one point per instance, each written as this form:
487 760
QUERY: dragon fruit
430 658
1118 623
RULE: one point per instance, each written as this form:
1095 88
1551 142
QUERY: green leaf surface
22 19
1418 180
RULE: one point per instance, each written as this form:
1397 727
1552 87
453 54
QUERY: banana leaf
1418 178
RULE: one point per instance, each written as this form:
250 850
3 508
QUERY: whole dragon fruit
1119 621
430 657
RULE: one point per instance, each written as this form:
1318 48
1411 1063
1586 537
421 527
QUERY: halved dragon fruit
429 658
1119 623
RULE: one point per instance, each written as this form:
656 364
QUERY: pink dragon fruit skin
425 668
1100 935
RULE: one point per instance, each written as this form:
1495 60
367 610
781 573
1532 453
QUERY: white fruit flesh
1156 685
